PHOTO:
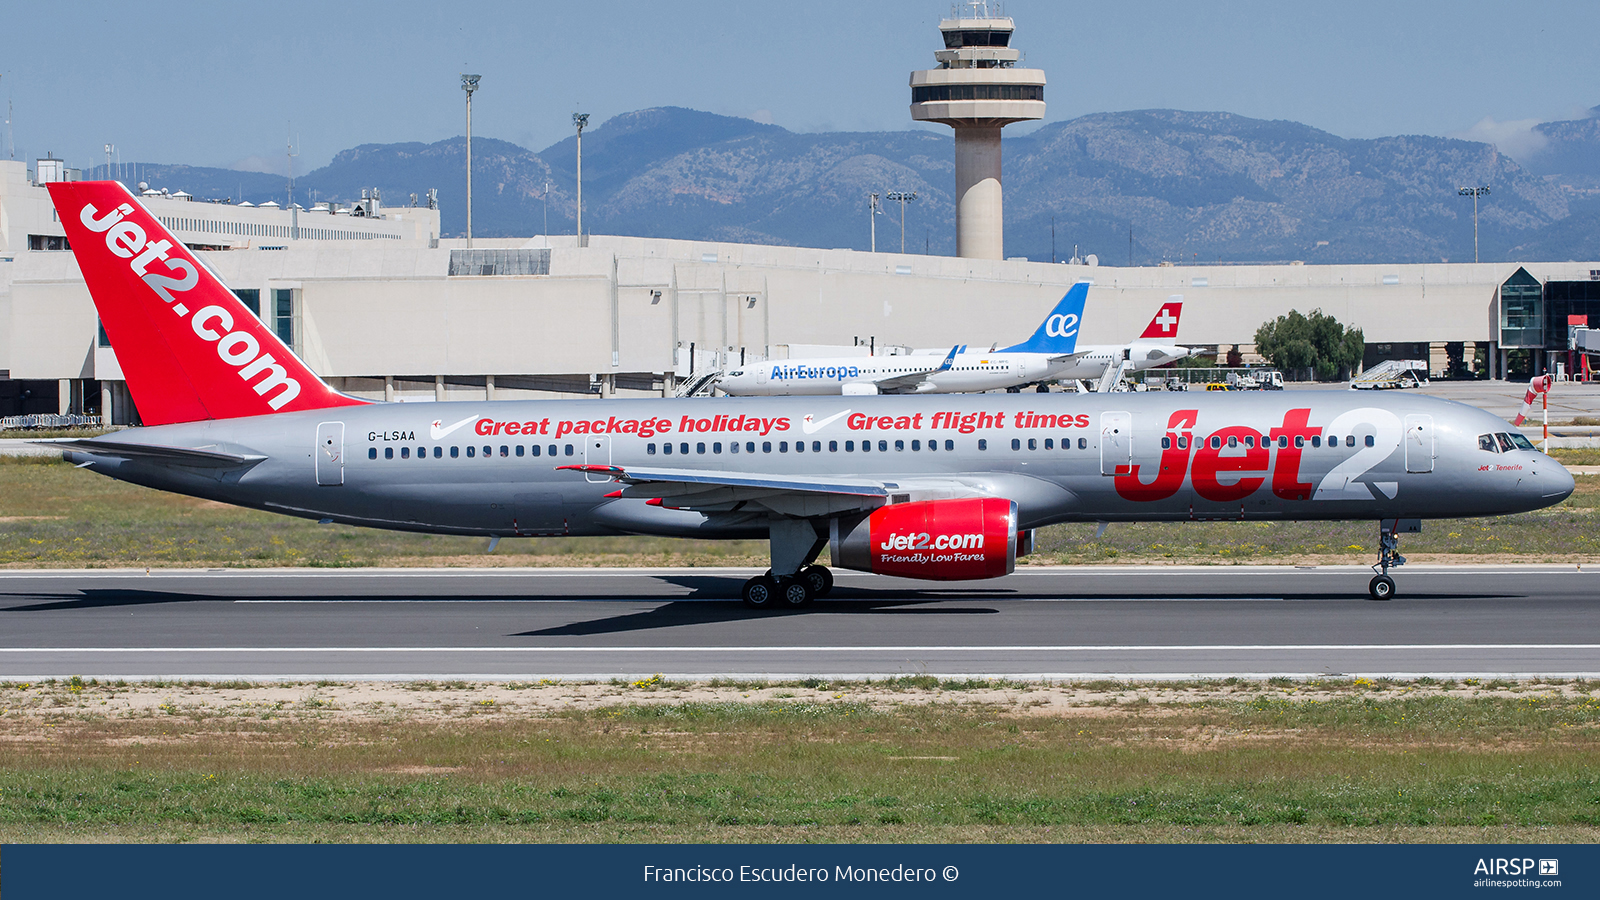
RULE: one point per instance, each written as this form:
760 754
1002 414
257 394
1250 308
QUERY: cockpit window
1506 446
735 373
1521 442
1486 442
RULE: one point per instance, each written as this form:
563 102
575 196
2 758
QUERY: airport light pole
580 120
873 211
469 83
901 197
1474 193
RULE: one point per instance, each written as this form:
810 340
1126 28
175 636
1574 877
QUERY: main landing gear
794 579
1382 586
770 591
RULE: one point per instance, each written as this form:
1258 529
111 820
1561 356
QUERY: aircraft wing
172 456
719 491
908 381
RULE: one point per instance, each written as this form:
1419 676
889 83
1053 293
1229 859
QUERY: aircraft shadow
700 612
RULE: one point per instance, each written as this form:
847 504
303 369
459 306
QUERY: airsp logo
1060 325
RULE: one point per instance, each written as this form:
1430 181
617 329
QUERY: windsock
1537 386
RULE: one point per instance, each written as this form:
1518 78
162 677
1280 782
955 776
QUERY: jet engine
939 540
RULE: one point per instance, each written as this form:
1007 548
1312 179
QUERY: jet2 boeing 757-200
944 487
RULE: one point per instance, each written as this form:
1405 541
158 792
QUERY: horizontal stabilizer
173 456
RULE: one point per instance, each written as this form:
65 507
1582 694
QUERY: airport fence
48 421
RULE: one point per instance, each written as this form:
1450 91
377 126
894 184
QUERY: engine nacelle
940 540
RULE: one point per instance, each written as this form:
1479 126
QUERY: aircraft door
597 452
761 373
1419 444
1116 443
330 454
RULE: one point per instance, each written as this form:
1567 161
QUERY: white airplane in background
1051 348
1051 354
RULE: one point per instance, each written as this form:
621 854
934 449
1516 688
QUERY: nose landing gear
1382 586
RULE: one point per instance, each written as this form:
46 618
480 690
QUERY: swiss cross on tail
189 349
1165 324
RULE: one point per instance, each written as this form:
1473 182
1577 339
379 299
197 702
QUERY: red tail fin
189 349
1165 325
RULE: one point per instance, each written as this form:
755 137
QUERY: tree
1317 342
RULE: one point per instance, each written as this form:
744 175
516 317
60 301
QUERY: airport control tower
977 90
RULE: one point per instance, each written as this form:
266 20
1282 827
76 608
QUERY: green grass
54 515
1578 456
1266 767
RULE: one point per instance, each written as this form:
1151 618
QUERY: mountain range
1140 187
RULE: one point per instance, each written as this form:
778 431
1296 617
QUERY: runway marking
1011 648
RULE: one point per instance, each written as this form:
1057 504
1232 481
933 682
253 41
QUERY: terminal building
375 301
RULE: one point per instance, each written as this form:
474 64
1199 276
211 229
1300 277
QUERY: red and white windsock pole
1540 385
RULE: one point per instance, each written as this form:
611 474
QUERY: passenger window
783 446
372 453
950 445
568 448
833 446
1166 444
650 449
700 447
1371 441
849 446
749 446
1486 442
405 452
666 449
471 451
900 446
983 444
504 450
1316 440
455 452
766 446
1183 442
799 446
1333 441
816 446
520 449
1283 441
866 446
439 451
1216 442
1233 441
1349 440
388 453
1083 443
1505 442
488 451
1299 440
883 446
1016 444
733 446
716 447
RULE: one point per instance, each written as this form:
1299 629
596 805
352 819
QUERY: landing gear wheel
1381 588
760 592
793 593
819 579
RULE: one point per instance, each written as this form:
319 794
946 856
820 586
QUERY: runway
1043 622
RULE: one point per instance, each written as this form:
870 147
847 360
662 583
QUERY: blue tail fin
1059 331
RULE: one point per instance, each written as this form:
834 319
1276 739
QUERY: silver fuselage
1424 459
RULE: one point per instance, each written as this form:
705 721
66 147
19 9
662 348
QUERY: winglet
1058 334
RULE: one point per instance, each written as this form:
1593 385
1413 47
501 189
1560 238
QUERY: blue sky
222 84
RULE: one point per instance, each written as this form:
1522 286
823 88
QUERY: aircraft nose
1555 482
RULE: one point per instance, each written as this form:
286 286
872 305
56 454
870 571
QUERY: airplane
1051 348
1050 354
942 488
